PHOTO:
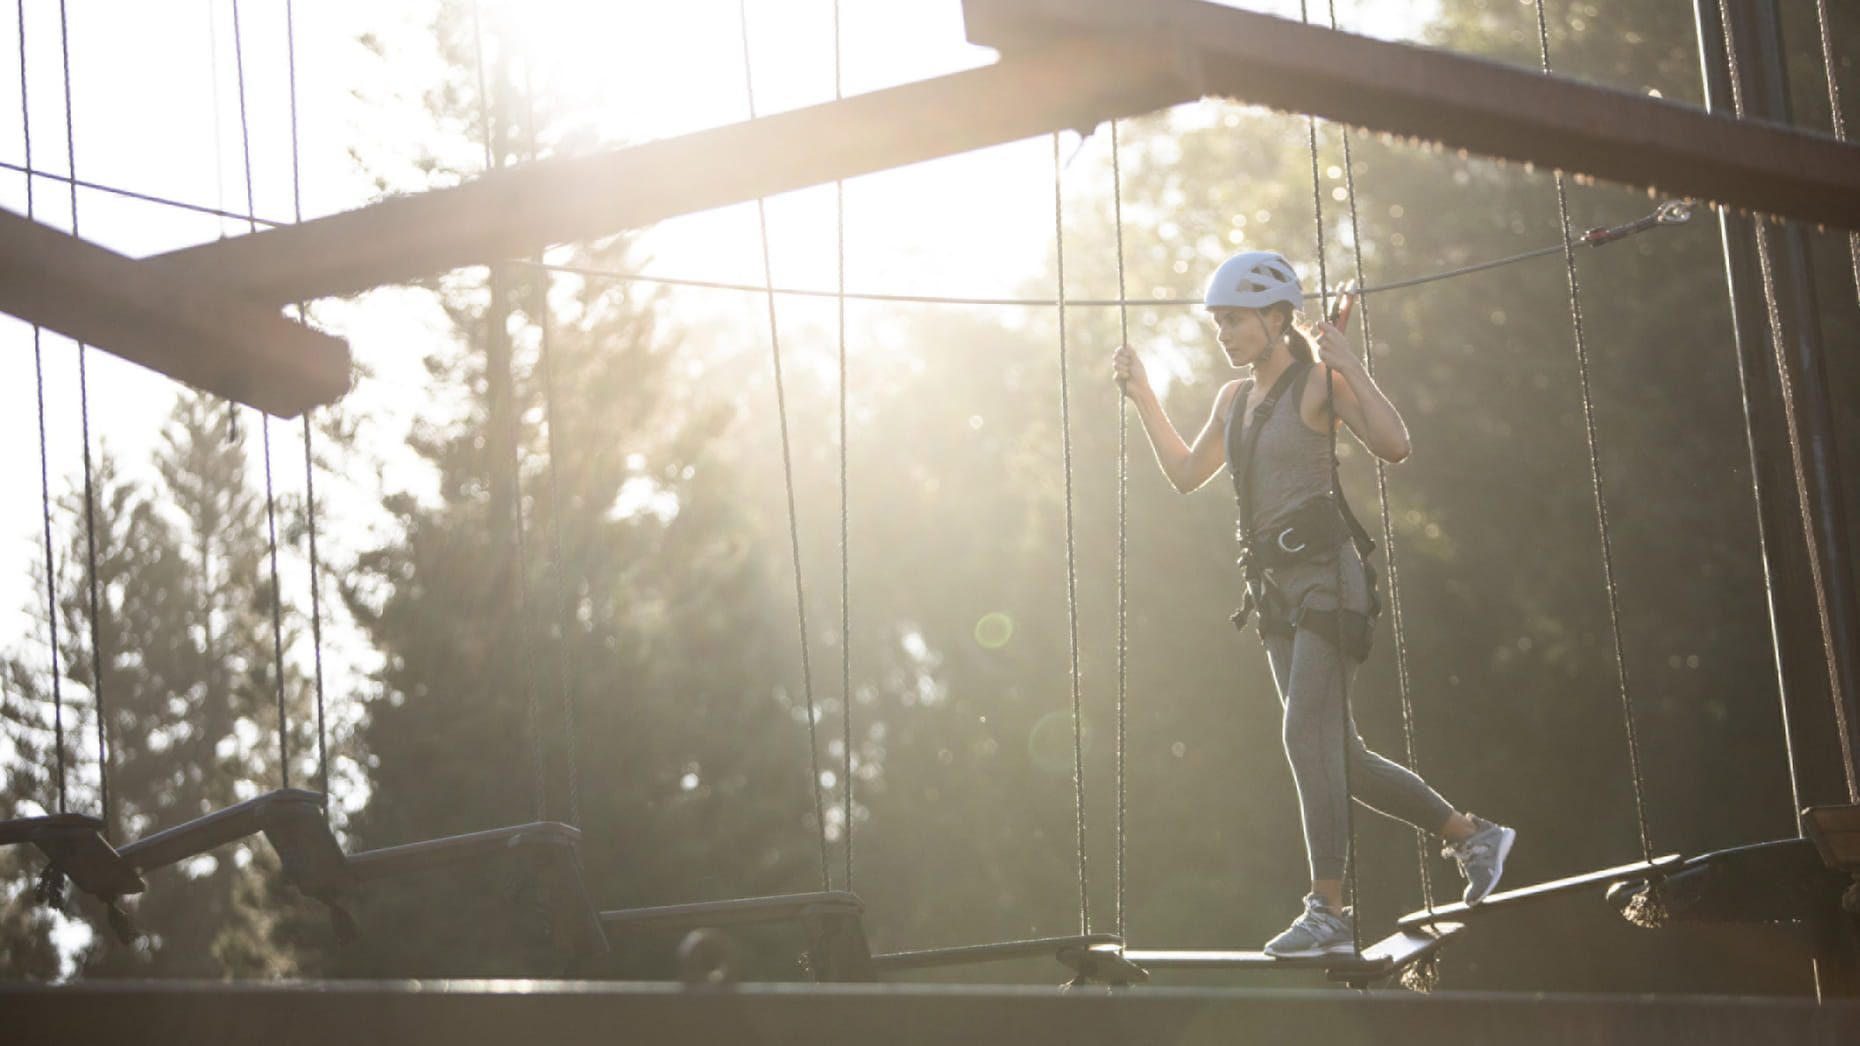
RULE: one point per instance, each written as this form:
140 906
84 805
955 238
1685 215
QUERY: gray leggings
1310 673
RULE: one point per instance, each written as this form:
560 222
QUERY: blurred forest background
648 634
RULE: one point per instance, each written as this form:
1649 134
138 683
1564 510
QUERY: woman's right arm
1187 467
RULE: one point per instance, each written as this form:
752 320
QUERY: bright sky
155 105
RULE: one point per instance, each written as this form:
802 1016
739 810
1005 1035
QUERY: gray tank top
1291 463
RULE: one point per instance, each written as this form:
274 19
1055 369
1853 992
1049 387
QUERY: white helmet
1254 280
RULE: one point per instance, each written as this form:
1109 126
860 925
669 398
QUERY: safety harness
1314 529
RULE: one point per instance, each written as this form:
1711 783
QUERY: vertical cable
90 494
316 602
1403 689
497 314
1123 520
1786 383
552 419
1595 477
264 421
45 480
1072 587
846 693
1330 405
787 470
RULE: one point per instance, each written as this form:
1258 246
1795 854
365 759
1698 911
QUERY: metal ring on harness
1289 549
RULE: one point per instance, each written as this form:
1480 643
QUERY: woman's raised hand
1127 368
1334 348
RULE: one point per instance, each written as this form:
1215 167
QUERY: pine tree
188 690
636 634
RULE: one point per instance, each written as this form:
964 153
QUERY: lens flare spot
994 630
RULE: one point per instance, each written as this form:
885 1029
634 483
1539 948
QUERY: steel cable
787 468
264 421
846 694
45 481
316 599
1123 523
552 419
1402 681
1595 478
493 160
1072 603
97 659
1786 384
1330 405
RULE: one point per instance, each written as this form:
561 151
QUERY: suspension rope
552 417
316 601
1072 594
90 493
1786 384
1672 212
787 471
1402 681
132 194
494 160
45 481
1840 122
1330 406
1123 522
1595 477
264 421
846 693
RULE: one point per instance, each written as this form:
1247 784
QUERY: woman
1299 545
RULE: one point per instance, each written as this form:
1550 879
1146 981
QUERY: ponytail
1302 348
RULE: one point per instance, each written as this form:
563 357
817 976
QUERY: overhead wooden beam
512 212
187 329
1460 101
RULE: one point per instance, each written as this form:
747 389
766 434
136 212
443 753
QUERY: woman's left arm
1360 403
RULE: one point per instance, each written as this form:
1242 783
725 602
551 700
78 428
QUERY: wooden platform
503 1013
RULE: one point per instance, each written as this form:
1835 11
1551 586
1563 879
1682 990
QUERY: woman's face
1245 334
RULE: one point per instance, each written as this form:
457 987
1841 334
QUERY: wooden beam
1486 107
186 329
512 212
574 1013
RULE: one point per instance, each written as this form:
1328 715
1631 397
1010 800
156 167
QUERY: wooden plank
512 212
428 854
1836 832
584 1013
32 829
1217 959
188 329
1535 892
738 910
1483 106
232 823
1103 963
74 844
1398 951
1383 957
999 951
